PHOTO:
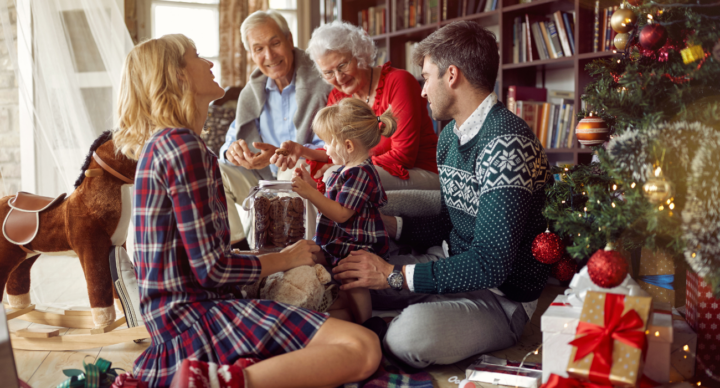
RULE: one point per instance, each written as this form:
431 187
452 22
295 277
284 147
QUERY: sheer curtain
67 63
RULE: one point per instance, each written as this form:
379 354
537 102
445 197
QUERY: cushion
216 126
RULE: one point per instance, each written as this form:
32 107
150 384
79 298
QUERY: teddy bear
303 286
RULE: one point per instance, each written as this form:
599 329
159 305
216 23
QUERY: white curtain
67 63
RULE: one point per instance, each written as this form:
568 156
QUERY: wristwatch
395 279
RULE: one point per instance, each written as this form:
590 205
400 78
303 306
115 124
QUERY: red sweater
414 143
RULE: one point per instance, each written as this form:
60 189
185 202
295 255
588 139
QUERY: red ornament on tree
607 268
564 269
653 36
634 3
547 247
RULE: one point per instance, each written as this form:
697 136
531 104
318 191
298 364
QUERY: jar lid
277 185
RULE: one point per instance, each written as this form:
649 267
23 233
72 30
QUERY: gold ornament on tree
692 53
592 131
621 41
658 189
623 20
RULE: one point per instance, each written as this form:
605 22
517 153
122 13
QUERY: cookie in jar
277 216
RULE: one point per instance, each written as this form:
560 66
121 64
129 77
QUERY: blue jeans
447 328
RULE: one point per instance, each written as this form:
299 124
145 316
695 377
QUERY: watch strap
398 268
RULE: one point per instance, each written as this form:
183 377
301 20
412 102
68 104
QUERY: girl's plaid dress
186 271
357 188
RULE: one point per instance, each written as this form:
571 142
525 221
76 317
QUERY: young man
478 285
278 104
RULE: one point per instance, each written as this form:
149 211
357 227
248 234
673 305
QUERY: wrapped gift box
703 315
559 324
661 277
683 350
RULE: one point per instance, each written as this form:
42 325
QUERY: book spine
570 32
365 21
546 40
384 21
444 9
516 43
511 99
539 43
523 44
596 28
569 129
555 40
371 21
393 15
562 34
419 9
529 39
608 30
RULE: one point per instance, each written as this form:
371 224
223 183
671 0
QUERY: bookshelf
570 69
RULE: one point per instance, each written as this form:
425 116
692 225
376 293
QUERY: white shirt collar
472 125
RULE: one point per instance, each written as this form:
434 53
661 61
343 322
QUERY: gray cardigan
311 93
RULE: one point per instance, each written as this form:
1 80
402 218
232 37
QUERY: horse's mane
104 138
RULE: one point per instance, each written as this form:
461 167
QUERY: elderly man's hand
362 269
239 154
289 158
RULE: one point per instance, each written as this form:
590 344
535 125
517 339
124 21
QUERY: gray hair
342 37
470 47
261 17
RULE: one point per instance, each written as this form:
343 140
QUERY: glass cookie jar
278 216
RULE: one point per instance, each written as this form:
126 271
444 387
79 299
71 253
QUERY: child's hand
302 183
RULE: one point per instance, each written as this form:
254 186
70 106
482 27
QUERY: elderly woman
344 54
184 265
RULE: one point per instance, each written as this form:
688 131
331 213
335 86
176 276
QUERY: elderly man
478 285
278 104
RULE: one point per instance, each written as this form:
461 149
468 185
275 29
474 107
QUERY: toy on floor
301 286
89 222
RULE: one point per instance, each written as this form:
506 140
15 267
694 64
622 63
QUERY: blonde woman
184 265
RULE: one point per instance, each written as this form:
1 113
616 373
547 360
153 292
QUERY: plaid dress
357 188
186 271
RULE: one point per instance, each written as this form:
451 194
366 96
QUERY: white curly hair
342 37
261 17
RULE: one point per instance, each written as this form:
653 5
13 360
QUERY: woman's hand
301 253
302 183
288 159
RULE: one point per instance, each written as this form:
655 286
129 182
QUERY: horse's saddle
22 221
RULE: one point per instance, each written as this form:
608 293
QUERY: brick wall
9 127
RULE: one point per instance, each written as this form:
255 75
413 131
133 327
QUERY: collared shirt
275 123
472 125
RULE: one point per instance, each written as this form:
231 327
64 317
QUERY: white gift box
561 319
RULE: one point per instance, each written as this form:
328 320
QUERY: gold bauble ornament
592 131
623 20
621 41
658 189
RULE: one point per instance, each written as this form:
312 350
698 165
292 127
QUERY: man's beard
440 104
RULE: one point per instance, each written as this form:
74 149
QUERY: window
288 8
198 20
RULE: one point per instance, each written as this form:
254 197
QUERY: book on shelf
596 27
516 40
419 12
372 20
524 93
381 56
554 38
412 68
536 33
550 53
432 11
444 9
564 33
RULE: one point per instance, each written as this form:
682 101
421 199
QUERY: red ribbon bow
599 340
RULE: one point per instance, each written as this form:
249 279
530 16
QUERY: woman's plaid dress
186 271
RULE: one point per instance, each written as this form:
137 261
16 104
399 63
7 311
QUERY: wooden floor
44 369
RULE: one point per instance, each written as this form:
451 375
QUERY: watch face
395 280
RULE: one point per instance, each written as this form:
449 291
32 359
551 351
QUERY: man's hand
302 183
362 269
239 154
301 253
294 152
390 225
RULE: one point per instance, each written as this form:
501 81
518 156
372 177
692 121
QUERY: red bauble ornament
547 247
564 269
653 36
634 3
607 268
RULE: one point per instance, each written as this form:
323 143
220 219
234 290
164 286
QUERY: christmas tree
656 183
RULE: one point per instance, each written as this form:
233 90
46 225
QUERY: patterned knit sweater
492 198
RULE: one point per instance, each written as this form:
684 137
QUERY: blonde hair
352 119
153 95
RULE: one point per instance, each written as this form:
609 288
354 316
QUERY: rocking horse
89 223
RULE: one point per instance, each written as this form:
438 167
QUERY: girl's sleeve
197 208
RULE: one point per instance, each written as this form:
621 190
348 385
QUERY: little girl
348 215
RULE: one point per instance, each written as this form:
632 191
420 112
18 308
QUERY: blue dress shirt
276 120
